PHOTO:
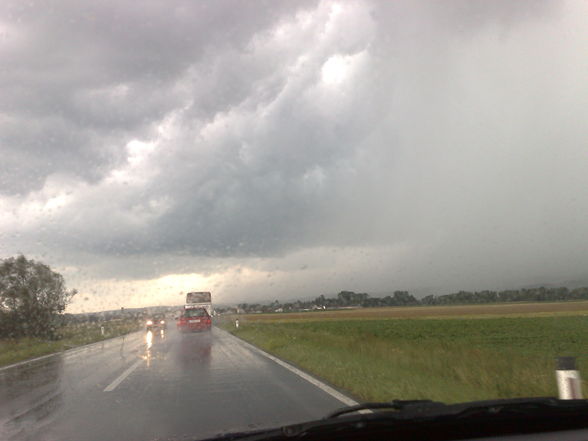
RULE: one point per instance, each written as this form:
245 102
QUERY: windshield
195 313
371 200
198 297
156 318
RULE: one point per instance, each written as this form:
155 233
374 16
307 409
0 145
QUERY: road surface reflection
42 378
194 348
155 347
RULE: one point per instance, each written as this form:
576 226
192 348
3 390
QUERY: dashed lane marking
122 376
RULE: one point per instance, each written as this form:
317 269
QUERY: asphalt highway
149 386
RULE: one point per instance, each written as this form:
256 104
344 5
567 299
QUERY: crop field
450 354
538 309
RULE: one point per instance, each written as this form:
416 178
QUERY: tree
31 297
403 298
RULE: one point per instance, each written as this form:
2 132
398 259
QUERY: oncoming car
194 319
155 322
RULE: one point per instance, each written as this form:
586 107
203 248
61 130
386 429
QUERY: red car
196 319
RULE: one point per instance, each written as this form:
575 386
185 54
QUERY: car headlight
162 322
149 322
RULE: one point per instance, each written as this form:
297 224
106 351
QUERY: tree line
33 299
346 299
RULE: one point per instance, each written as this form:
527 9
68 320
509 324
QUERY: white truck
199 300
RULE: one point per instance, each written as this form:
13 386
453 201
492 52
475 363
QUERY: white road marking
324 387
122 376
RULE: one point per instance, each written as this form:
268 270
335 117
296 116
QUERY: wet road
152 386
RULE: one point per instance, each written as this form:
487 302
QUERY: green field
451 360
12 351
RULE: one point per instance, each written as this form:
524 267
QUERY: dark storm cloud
298 176
417 138
78 80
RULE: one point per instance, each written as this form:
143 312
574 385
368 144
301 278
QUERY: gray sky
267 150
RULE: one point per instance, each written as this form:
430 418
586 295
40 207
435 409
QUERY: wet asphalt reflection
151 385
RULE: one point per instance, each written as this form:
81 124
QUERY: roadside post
237 323
102 330
569 383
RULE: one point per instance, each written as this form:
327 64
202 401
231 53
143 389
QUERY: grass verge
15 350
450 360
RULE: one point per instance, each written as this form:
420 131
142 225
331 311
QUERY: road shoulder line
64 352
31 360
314 381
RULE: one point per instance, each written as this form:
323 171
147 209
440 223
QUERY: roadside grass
15 350
449 360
